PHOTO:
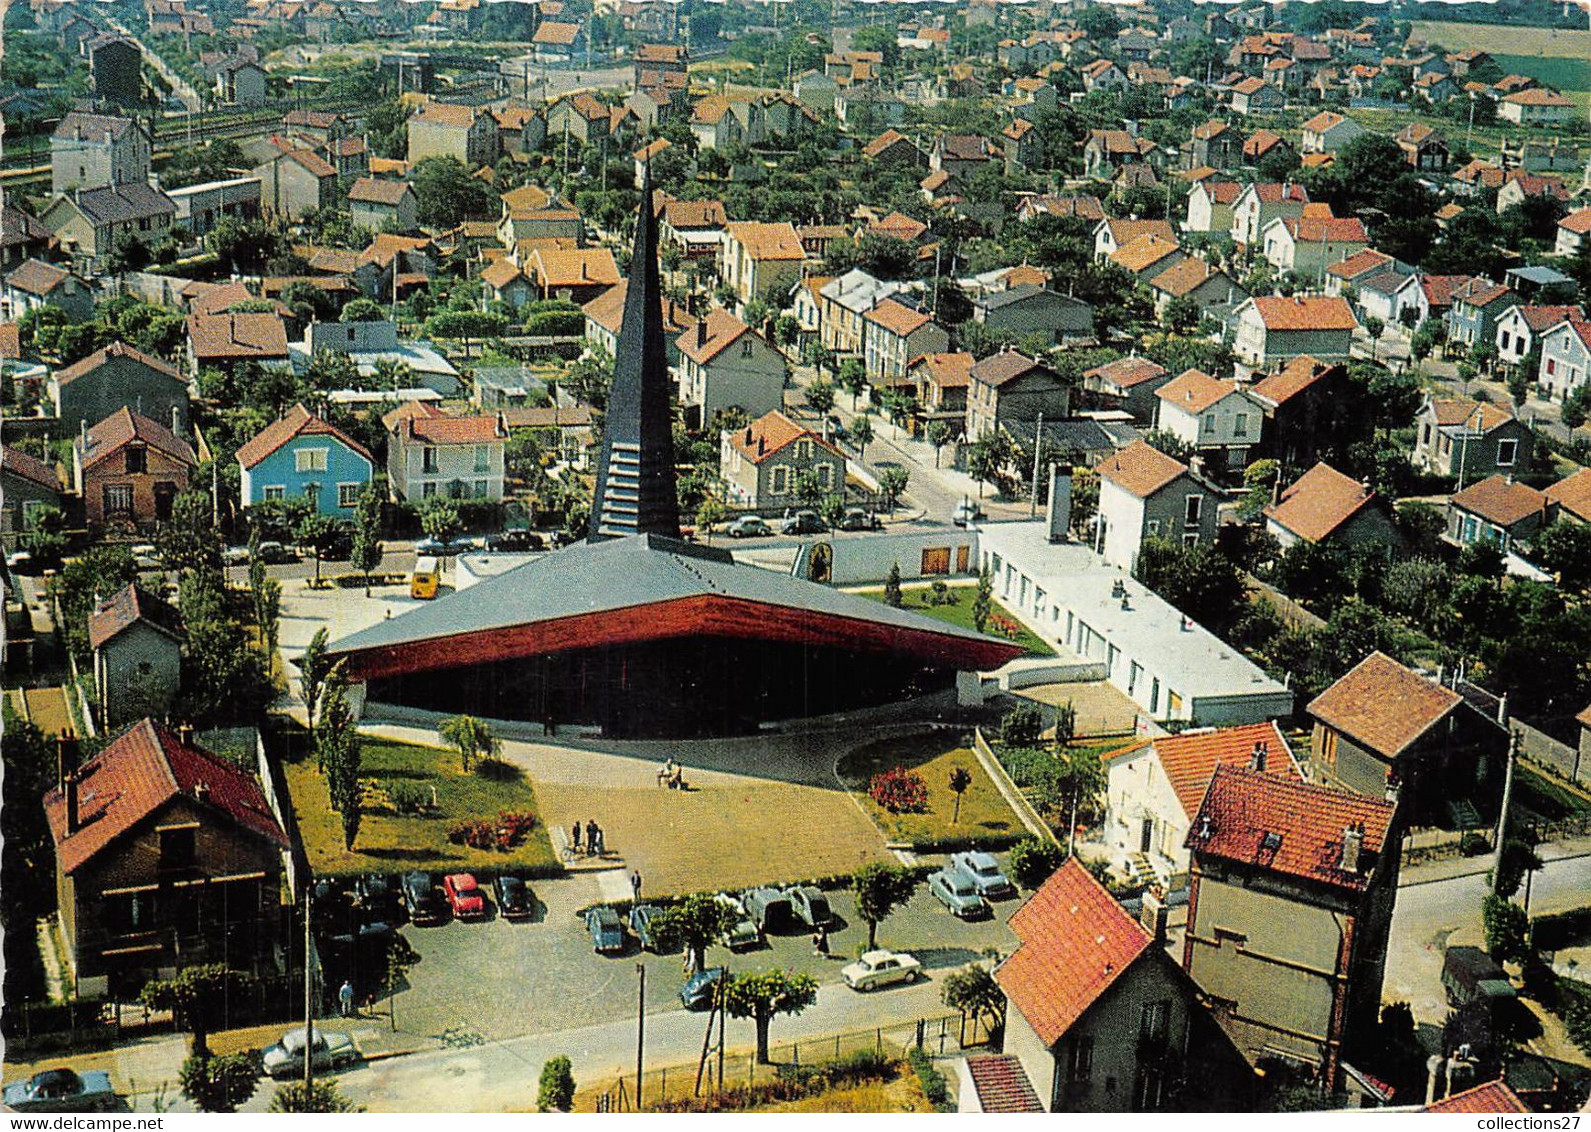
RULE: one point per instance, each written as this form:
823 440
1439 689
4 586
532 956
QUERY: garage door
936 560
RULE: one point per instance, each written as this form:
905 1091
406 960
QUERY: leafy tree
447 194
221 1084
987 458
339 748
189 540
466 325
45 536
314 530
1575 406
1022 726
853 379
862 433
1374 327
1169 443
880 889
697 922
313 667
960 781
1070 783
319 1096
556 1090
763 995
1519 859
245 247
972 991
27 851
362 310
807 488
1507 928
1032 861
1182 315
1565 549
1199 580
892 483
820 395
892 594
194 996
938 434
365 555
471 737
440 518
983 600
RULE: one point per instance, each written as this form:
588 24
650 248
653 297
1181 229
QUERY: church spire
635 491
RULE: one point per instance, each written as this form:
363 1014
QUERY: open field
959 612
1559 43
389 842
983 811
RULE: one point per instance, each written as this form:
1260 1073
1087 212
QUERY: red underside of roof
702 616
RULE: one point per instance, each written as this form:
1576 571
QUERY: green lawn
392 842
959 612
1550 799
984 812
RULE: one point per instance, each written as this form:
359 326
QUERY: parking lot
501 979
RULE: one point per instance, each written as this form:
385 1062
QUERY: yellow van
425 579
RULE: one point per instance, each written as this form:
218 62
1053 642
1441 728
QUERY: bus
425 579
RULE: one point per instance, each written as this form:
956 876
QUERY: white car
745 934
332 1051
880 969
147 556
984 871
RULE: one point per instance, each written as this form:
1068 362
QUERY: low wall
1008 790
1051 672
1560 758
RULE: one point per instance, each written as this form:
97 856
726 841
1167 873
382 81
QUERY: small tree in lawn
972 992
365 555
892 594
763 995
472 738
556 1092
337 745
938 434
313 666
960 782
983 600
862 433
696 923
880 889
220 1084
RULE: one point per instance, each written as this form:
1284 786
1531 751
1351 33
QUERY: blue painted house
303 455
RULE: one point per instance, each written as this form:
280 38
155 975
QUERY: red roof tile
1301 312
1295 377
18 463
1127 373
1140 469
1319 502
1076 942
124 426
1189 759
771 432
1494 1096
1383 706
1194 391
132 605
1002 1084
1288 827
115 350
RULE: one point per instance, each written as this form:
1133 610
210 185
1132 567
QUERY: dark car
856 519
514 542
810 905
275 554
607 931
61 1090
338 543
697 993
376 893
515 900
462 544
770 910
803 523
425 904
643 922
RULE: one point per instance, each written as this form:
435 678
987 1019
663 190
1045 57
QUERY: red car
464 896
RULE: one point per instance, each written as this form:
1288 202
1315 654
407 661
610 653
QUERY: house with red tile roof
1325 507
995 1083
763 463
1565 357
146 831
1386 730
1492 1097
1274 329
1154 788
1220 419
726 364
1496 511
1130 383
432 454
1571 497
302 456
1010 386
128 470
1098 1014
1307 245
1144 494
1573 232
1306 409
941 381
1290 906
894 333
1455 436
118 376
444 129
137 640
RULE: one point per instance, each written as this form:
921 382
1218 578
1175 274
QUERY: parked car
235 556
957 892
332 1051
607 932
375 890
803 523
338 543
856 519
514 542
61 1090
770 910
966 512
984 871
146 556
429 547
1469 975
643 922
698 991
420 897
810 905
463 544
749 526
276 554
744 934
515 900
881 968
464 896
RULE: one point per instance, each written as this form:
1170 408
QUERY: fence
1560 758
939 1036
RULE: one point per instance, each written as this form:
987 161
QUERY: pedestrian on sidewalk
575 838
601 839
345 999
635 885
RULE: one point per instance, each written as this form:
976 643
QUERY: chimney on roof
762 445
185 734
72 817
201 791
66 753
1353 838
176 421
701 340
1153 915
1257 758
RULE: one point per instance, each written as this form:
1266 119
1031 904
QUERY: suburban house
1385 731
506 283
1100 1018
1570 497
557 42
240 82
165 856
1496 511
137 640
296 181
22 237
1424 148
1470 440
118 377
1356 269
225 340
27 485
1477 305
1129 383
1106 151
1009 386
1213 145
1147 256
763 462
300 456
893 334
1307 245
201 207
97 151
1289 912
1145 494
843 307
1273 329
1323 506
1535 107
605 316
1329 131
1218 418
1395 297
1210 206
941 382
383 206
1210 290
1256 96
584 117
34 284
1028 308
1305 403
91 224
1573 232
1111 234
696 227
1521 326
576 274
1154 787
128 470
115 65
1260 203
431 454
757 257
723 363
465 133
1565 357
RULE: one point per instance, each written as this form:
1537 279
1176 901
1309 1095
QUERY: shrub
503 833
409 797
1474 844
557 1092
1506 925
935 1088
1027 766
900 791
1032 861
1021 726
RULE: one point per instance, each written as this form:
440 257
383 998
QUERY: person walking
602 842
635 885
575 835
345 999
823 940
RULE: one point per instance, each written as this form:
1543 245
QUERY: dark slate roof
123 203
617 574
1019 293
1066 435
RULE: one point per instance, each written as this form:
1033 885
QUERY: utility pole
309 995
1038 448
640 1032
1502 814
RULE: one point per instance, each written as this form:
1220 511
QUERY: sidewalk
1433 872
